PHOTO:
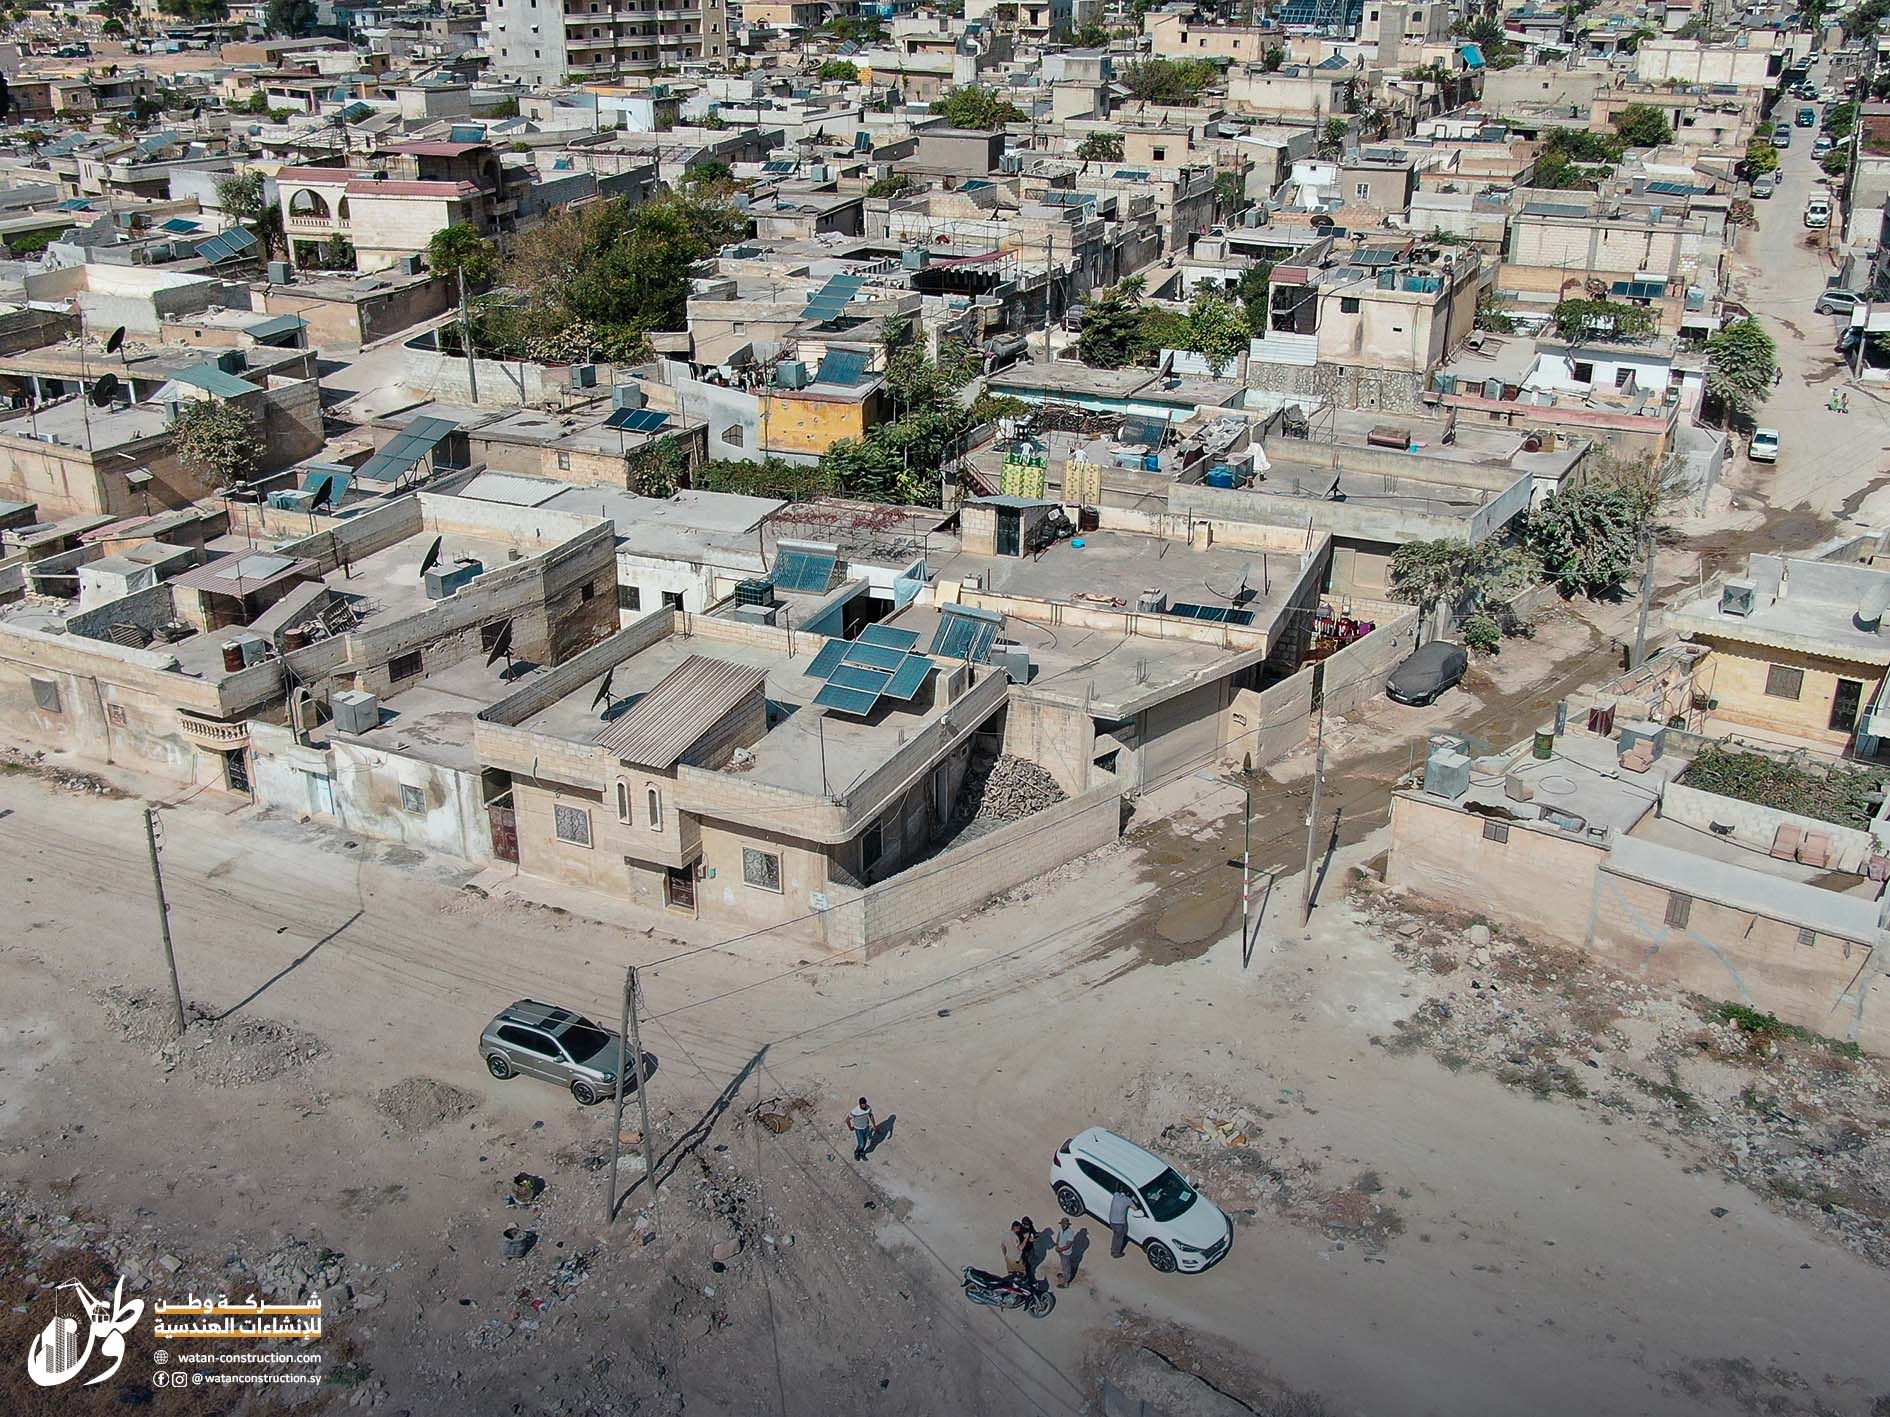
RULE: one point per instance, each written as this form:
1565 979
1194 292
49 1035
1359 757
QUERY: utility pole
1312 820
164 918
1647 596
1046 297
1246 867
627 1033
465 336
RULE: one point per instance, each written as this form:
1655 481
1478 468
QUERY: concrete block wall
1357 673
1755 827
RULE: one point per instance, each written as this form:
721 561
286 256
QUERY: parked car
1427 672
545 1041
1821 147
1764 445
1764 185
1782 136
1177 1227
1837 301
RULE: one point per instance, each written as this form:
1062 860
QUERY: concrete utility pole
1246 863
628 1034
1647 596
465 338
1312 820
164 918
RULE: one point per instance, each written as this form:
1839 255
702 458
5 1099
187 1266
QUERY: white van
1818 211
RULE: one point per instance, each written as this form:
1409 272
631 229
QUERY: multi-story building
594 39
391 211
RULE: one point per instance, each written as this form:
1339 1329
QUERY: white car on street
1764 445
1176 1226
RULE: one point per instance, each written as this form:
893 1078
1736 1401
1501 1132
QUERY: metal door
679 887
321 793
1010 531
504 823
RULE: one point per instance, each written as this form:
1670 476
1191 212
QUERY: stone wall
1348 386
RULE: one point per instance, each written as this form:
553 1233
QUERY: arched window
307 203
341 210
656 810
623 801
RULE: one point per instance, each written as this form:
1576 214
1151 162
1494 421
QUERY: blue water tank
1220 475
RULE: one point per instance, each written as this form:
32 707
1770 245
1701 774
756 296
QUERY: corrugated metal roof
245 574
662 725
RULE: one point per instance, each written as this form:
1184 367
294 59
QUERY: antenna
603 695
116 341
104 390
433 554
324 492
502 649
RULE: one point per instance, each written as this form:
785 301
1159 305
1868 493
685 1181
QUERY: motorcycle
1009 1291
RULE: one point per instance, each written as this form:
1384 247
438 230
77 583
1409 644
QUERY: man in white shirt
863 1123
1118 1224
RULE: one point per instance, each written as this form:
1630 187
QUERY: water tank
1737 598
281 273
1220 475
443 581
355 711
583 376
1447 773
791 374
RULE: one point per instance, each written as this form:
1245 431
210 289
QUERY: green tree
838 71
710 173
1840 119
1741 364
1169 81
769 477
1466 579
1273 60
657 468
1332 137
1835 163
977 107
1578 320
890 186
218 441
290 17
458 248
1112 326
1217 330
1100 147
1493 315
1230 193
243 199
199 12
1256 295
1588 538
1761 157
1642 125
854 29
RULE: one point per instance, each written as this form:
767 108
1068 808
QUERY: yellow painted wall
1736 674
813 425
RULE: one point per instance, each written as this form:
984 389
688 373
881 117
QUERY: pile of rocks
221 1052
415 1104
1007 788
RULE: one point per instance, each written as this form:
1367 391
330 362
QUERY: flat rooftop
74 423
809 750
1581 777
388 582
433 720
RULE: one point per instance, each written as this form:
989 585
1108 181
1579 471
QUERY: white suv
1176 1226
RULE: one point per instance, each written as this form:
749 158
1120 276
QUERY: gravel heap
232 1052
416 1104
1004 789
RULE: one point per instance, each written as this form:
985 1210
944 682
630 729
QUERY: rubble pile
1004 789
229 1052
71 779
416 1104
1799 1119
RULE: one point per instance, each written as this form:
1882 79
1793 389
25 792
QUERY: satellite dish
324 492
602 696
116 342
104 390
501 646
433 554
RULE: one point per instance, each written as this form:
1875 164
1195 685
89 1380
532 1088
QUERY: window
732 435
528 1039
629 598
1496 831
46 696
1348 305
1623 376
761 869
572 824
115 715
587 591
1159 154
1679 908
672 600
1099 1176
412 799
653 809
1361 190
404 666
564 462
1807 937
623 801
1583 372
1783 682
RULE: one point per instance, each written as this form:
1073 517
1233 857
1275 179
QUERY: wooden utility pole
1246 869
1647 596
465 337
1312 820
629 1035
164 918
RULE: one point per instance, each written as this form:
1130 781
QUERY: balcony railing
212 733
316 223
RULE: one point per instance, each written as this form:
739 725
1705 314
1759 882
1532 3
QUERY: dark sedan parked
1429 670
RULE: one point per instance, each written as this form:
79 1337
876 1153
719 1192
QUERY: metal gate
504 822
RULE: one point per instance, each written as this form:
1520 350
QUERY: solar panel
636 420
842 366
831 656
846 700
181 227
908 677
887 635
803 570
852 676
966 632
1213 614
407 448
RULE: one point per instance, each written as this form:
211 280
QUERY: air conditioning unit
409 265
627 396
1447 773
791 374
1738 598
254 648
1152 602
355 711
756 614
583 376
281 273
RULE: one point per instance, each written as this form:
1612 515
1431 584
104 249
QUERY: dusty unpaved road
1545 1257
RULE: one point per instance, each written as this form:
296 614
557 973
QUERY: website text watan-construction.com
201 1369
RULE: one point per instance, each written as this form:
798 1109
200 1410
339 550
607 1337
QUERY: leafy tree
1580 319
708 174
1112 326
1100 147
1493 315
1230 193
1273 60
1332 137
1217 329
1167 80
290 17
1840 120
200 12
1255 290
854 29
899 461
769 477
1741 364
1642 125
1836 163
243 199
218 441
890 186
657 468
458 248
1467 579
1588 538
976 107
1761 157
838 71
1090 36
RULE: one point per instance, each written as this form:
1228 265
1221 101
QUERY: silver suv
545 1041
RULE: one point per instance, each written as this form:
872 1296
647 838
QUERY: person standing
1118 1224
1063 1241
1027 1242
862 1121
1014 1249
